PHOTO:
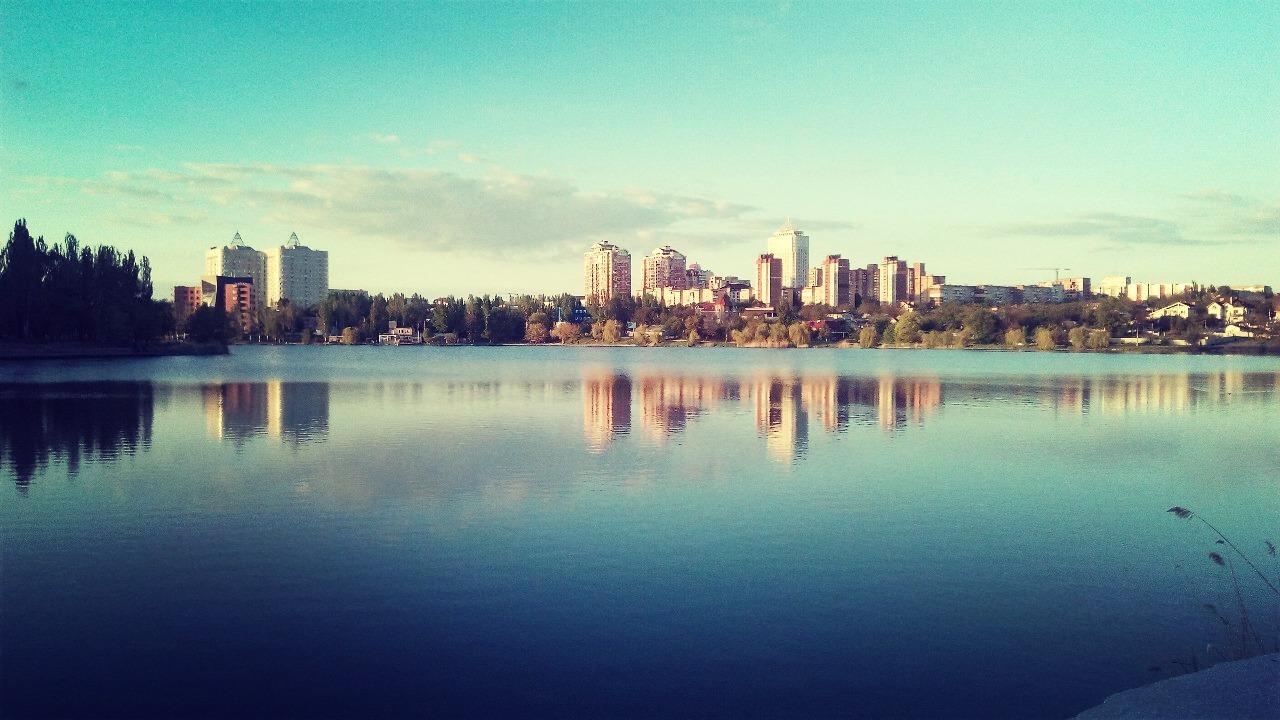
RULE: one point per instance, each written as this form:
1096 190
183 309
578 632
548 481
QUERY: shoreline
17 352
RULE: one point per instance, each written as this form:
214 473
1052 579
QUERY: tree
22 270
1015 336
306 336
1111 313
981 326
535 330
1078 336
1045 339
798 334
535 333
778 335
612 331
908 330
867 337
567 332
211 324
890 334
1099 340
349 336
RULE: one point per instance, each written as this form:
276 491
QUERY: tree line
72 292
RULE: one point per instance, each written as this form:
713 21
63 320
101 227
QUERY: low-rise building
1042 293
996 294
1178 309
950 293
1226 311
186 299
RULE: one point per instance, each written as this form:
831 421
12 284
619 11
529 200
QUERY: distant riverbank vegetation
351 317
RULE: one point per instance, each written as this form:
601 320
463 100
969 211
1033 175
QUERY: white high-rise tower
297 273
239 260
791 247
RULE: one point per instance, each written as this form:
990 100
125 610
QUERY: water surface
551 532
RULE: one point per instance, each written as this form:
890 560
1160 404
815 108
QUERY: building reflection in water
784 406
71 422
295 412
606 404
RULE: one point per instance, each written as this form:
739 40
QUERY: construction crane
1056 271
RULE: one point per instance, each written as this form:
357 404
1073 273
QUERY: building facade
186 299
791 247
607 272
865 282
893 280
768 279
296 273
239 260
664 268
835 281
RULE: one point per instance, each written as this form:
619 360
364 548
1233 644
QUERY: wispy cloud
389 139
1110 227
1204 217
495 212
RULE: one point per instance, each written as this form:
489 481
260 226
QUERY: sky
482 148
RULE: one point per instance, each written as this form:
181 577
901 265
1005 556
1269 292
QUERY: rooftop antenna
237 240
293 240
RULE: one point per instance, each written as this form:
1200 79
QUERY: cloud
1205 217
438 146
1114 228
421 209
1216 196
390 139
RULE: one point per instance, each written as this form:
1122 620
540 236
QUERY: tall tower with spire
236 259
297 273
791 247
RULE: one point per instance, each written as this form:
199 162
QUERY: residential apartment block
296 273
290 272
239 260
768 279
664 268
607 272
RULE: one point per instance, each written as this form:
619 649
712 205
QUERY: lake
624 532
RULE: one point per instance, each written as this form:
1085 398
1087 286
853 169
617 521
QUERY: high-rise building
239 260
768 279
864 283
792 247
607 272
893 280
296 273
915 281
835 281
696 278
664 269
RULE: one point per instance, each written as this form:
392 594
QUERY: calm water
549 532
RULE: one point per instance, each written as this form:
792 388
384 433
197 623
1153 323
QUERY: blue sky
482 147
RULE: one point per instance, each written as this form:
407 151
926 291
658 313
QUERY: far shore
1247 347
15 351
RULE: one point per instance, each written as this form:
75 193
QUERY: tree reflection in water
71 422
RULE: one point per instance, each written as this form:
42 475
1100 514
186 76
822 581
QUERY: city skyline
482 148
